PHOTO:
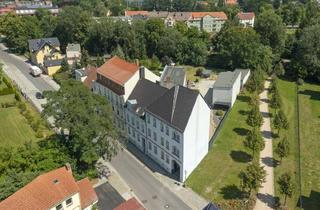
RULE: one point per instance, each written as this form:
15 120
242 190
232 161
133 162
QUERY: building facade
246 19
73 53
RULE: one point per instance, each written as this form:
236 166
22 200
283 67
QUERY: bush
35 125
7 82
196 80
8 104
219 113
199 72
6 91
39 134
300 81
17 96
22 106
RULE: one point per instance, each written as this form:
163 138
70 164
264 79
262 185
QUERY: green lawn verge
216 177
309 107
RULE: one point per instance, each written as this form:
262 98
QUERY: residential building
46 54
73 53
115 80
172 126
246 19
131 204
7 7
53 190
206 21
231 2
172 76
86 75
226 88
30 7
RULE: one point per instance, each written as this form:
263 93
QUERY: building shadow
314 95
310 203
269 161
231 192
241 131
240 156
267 199
147 161
243 98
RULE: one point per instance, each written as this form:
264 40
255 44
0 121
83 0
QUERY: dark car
39 95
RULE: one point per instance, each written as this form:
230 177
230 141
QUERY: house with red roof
115 80
131 204
246 19
54 190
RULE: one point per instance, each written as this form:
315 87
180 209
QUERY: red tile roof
118 70
131 204
245 15
231 2
220 15
87 194
45 191
133 13
91 76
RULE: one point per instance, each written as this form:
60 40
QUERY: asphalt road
108 197
152 193
23 67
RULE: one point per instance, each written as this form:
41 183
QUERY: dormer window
59 207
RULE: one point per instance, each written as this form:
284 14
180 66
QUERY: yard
216 177
288 95
309 107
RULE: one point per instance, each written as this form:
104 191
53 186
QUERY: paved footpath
265 196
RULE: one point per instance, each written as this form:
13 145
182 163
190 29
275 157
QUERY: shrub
199 72
6 91
196 80
219 113
17 96
35 125
22 106
7 82
300 81
39 134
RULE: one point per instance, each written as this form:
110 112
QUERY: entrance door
143 144
175 169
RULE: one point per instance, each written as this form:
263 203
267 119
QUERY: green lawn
288 95
216 177
7 98
309 99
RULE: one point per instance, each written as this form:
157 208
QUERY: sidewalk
265 196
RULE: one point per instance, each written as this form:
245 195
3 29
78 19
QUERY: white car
35 71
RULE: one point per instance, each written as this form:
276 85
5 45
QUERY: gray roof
175 106
180 16
37 44
244 72
145 92
226 79
73 47
50 63
173 75
81 72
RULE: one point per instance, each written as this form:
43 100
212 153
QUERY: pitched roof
87 195
180 16
144 93
37 44
91 73
226 79
173 75
245 15
175 106
73 47
43 192
131 204
220 15
231 2
50 63
244 72
118 70
133 13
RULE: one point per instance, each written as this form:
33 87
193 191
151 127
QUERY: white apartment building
246 19
169 125
73 53
115 80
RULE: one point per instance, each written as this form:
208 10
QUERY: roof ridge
175 94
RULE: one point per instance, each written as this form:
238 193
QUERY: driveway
108 197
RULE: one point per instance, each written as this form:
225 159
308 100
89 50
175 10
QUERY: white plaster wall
221 96
149 75
196 137
245 79
74 206
130 84
236 89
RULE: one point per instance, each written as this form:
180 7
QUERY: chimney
68 167
142 72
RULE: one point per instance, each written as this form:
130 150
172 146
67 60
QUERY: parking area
109 198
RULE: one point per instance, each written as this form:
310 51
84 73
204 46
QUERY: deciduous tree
252 177
286 186
283 148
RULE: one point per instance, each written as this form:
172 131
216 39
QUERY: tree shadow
267 134
243 112
311 202
231 192
241 131
240 156
265 114
314 95
269 161
265 100
243 98
267 199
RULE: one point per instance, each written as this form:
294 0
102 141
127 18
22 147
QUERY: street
152 193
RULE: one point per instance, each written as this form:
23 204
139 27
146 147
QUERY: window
162 141
150 146
154 122
149 132
128 118
175 151
155 149
138 137
167 130
142 128
132 120
69 202
134 134
167 145
148 119
129 130
59 207
154 136
167 159
176 136
162 155
138 124
161 127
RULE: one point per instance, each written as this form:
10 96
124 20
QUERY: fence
218 130
299 152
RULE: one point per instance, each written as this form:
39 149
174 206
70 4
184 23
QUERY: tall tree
88 120
254 141
255 118
280 121
286 186
252 177
283 148
272 31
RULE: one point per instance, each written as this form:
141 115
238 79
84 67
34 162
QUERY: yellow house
46 54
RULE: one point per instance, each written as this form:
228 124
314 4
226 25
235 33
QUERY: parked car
35 71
